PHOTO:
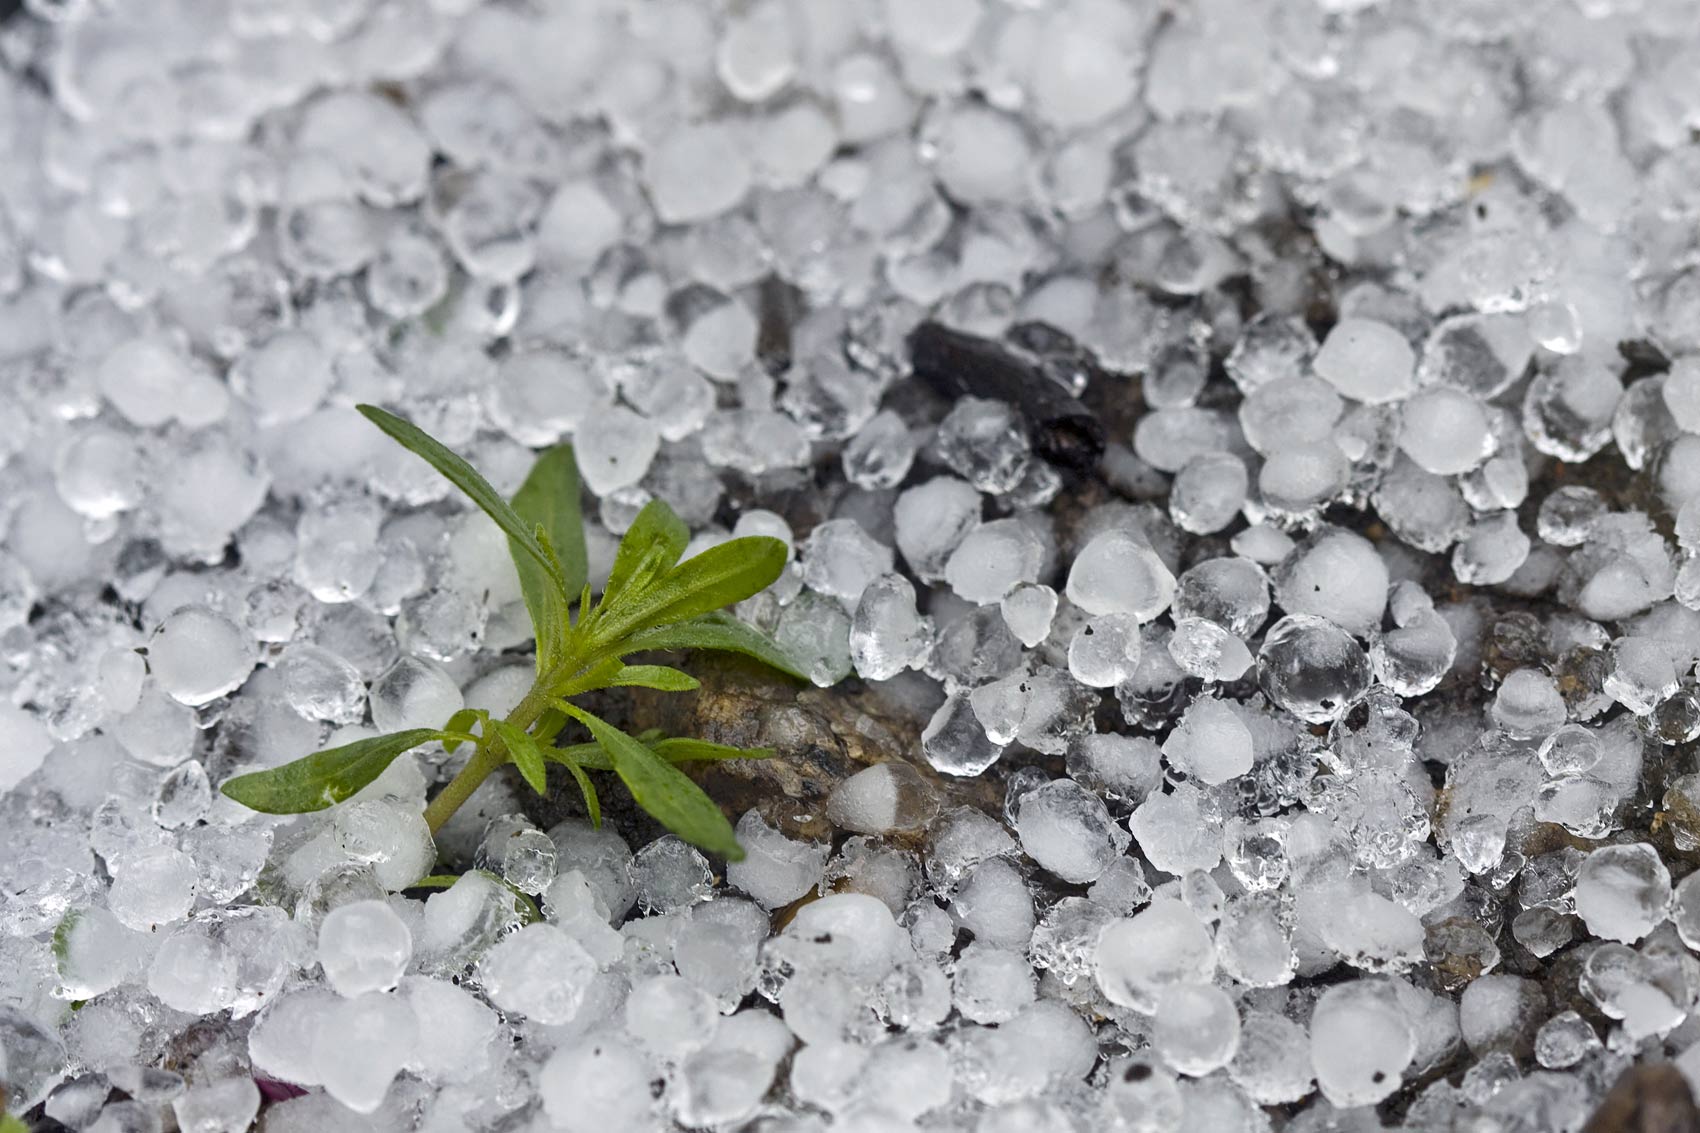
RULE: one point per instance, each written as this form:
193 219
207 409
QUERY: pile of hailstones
1339 740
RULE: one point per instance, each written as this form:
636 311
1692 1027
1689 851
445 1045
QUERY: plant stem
490 755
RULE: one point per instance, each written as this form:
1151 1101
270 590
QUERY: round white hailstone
614 447
578 225
1162 945
775 870
1208 492
1685 910
1272 1064
1301 479
361 1045
152 887
1069 831
696 172
1682 393
1173 833
1116 573
199 655
284 378
1337 575
980 155
1211 744
1366 361
840 559
1528 705
24 744
458 1032
542 394
364 946
96 953
1028 611
1079 76
758 52
850 933
990 984
1643 674
192 972
1360 1043
1105 651
942 28
539 972
414 693
993 558
1445 431
882 799
280 1044
930 519
1291 412
995 904
597 1083
1623 892
1498 1010
669 1017
1196 1029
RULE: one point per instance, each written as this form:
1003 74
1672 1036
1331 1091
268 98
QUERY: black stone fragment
953 364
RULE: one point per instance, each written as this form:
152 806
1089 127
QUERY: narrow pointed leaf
523 750
325 777
588 755
459 724
663 677
549 502
592 805
650 547
680 750
723 574
463 476
663 790
719 631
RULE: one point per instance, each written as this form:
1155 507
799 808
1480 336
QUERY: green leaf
325 777
663 790
650 547
719 631
680 750
549 502
463 476
588 755
62 938
726 573
456 731
663 677
12 1124
525 753
592 805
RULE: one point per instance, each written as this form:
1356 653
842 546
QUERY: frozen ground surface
1342 713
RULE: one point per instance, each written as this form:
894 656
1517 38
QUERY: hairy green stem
491 754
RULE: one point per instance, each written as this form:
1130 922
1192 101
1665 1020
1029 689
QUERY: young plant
652 602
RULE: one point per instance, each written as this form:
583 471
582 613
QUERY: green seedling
652 602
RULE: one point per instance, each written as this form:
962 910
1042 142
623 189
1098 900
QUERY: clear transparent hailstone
881 453
192 972
1445 431
1360 1043
1117 573
364 946
984 442
1270 347
1366 361
335 540
321 685
1312 668
152 887
1196 1028
930 519
954 741
1564 1040
1556 325
1643 674
1685 909
185 796
671 874
1160 946
388 835
229 1103
1528 705
199 655
414 693
840 559
1208 492
1623 892
1211 744
1104 650
1232 592
539 972
97 952
1068 830
1028 610
993 558
814 631
887 633
1413 657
